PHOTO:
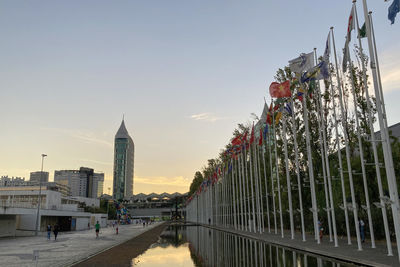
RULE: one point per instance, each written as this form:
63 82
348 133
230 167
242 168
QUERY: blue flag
288 108
265 132
394 8
321 71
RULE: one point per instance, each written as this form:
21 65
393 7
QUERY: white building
18 211
37 176
11 181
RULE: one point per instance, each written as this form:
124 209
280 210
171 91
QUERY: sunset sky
183 73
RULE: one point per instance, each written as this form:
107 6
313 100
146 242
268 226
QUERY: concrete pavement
70 247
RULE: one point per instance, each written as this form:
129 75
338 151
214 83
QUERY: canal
201 246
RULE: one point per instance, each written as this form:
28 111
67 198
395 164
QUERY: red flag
260 140
279 90
236 141
252 135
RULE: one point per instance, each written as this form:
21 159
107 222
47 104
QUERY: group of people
55 229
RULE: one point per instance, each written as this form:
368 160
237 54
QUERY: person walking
48 231
362 230
97 229
321 230
55 231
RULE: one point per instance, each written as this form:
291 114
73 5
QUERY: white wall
7 225
81 223
26 222
102 218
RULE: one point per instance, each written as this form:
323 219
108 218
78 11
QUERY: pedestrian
88 226
144 223
55 231
48 231
116 229
362 230
321 230
97 229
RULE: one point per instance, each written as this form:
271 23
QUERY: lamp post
39 197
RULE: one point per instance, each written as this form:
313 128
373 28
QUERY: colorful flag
302 63
350 27
265 132
278 117
279 90
327 51
260 138
394 8
288 108
362 33
236 141
252 135
300 93
319 72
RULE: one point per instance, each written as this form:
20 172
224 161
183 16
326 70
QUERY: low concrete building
18 211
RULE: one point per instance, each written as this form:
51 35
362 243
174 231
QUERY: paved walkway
70 247
348 253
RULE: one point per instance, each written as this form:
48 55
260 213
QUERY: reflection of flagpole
277 176
289 187
272 180
380 106
314 208
296 151
340 160
346 141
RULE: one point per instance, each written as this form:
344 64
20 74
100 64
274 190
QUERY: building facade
82 183
37 176
124 150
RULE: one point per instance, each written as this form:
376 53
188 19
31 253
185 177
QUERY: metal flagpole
246 226
277 177
340 160
260 187
252 189
368 207
289 187
349 170
240 192
324 170
272 181
256 187
376 158
328 172
266 185
314 208
391 177
247 190
296 151
235 197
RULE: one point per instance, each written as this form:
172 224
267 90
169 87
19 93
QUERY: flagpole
349 169
296 150
314 208
368 206
272 181
277 176
340 160
289 187
252 188
324 172
234 199
241 193
391 177
256 187
266 183
328 172
260 188
247 190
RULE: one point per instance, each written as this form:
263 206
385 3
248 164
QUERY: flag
288 108
362 33
265 132
302 63
279 90
252 135
300 94
260 138
327 51
319 72
394 8
350 27
278 117
269 115
236 141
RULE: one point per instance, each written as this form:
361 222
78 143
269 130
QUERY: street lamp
40 196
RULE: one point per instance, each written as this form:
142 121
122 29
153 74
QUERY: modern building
18 211
37 176
11 181
124 150
83 182
22 185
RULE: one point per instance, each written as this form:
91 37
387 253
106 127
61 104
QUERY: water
200 246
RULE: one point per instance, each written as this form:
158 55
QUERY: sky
182 73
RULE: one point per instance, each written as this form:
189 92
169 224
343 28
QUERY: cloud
205 117
173 181
97 162
81 135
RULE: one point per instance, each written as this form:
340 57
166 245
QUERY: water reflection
200 246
